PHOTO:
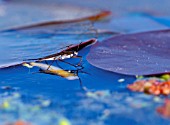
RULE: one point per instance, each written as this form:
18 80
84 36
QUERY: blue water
66 97
43 99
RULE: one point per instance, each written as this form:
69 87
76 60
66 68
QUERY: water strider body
70 52
58 56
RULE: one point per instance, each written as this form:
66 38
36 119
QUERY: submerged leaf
154 86
133 54
165 109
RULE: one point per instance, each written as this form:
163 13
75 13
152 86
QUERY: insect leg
58 64
46 62
81 84
66 46
81 59
51 63
67 63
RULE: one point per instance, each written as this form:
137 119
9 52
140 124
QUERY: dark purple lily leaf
133 54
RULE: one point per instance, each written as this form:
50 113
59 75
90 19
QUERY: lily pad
18 46
132 24
14 14
133 54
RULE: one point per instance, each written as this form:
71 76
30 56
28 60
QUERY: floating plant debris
133 54
165 109
152 85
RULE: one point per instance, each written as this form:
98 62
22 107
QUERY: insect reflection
53 70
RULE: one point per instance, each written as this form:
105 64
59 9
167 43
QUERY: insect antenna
68 46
